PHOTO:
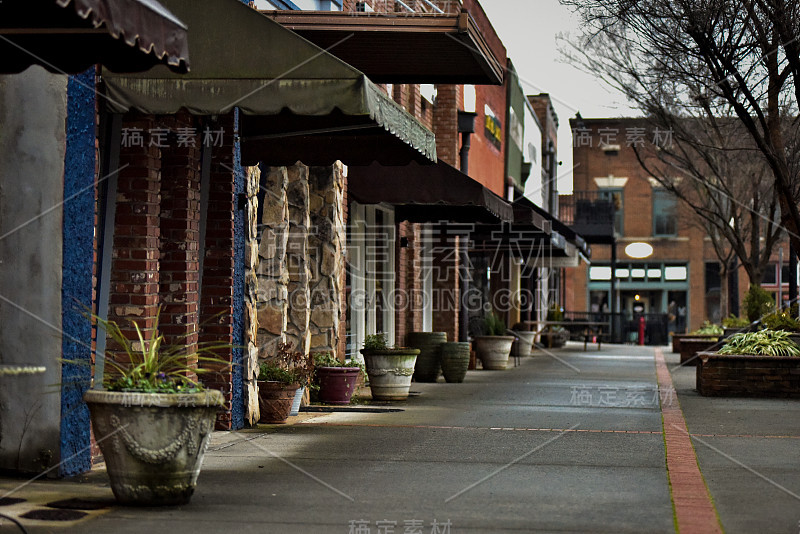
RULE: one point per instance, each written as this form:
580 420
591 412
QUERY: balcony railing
590 213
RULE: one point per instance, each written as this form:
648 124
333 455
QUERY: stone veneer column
250 360
271 271
327 248
297 332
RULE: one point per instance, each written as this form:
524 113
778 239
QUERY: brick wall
216 304
748 376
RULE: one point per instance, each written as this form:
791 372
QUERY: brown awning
298 101
122 35
430 193
447 48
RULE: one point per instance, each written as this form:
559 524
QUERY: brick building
665 264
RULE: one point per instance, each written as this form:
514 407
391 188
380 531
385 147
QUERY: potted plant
336 379
708 331
154 418
784 321
279 378
765 363
494 347
554 336
429 362
389 369
525 339
757 303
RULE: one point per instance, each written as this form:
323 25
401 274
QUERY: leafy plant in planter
708 329
735 322
336 379
781 320
494 347
389 369
279 379
757 303
761 343
154 420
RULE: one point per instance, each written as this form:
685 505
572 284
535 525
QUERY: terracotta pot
153 444
390 372
429 362
275 401
455 360
337 384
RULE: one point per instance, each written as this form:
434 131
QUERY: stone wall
327 248
300 261
250 363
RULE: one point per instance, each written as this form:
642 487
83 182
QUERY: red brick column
134 266
216 304
446 283
445 123
180 225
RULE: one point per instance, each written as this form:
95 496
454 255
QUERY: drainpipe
466 127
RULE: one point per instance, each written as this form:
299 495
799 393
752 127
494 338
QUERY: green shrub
735 322
757 303
554 313
761 343
375 341
709 329
781 320
494 325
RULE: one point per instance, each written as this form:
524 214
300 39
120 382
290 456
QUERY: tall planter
493 351
153 444
298 400
337 384
455 361
275 401
524 343
429 361
390 372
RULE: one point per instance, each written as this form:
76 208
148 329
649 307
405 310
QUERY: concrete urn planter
153 444
493 351
524 343
390 372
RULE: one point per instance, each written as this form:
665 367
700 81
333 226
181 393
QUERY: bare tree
706 61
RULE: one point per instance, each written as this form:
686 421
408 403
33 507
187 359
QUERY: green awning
298 101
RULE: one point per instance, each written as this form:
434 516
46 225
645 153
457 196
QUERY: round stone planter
390 372
275 401
429 361
493 351
455 360
153 444
337 384
524 343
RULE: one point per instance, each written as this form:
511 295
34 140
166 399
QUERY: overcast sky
529 28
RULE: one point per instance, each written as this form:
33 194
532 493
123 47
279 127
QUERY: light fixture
639 250
637 298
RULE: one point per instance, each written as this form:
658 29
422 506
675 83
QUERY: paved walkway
568 442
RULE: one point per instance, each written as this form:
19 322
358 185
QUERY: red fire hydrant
641 330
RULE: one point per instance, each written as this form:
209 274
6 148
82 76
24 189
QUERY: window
618 200
665 220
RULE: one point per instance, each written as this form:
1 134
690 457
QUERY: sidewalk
571 442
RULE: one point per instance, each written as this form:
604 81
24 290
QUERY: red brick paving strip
692 503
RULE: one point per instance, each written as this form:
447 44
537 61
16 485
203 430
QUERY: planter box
677 339
748 376
690 347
